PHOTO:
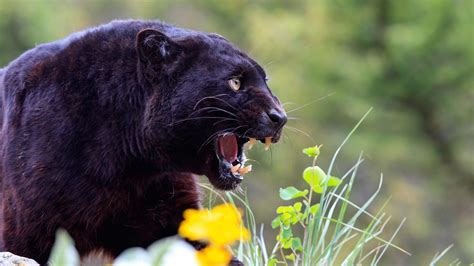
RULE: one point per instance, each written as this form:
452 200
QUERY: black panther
104 132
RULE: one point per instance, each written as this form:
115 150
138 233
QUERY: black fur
104 131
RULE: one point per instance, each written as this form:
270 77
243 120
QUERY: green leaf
276 222
300 216
296 243
285 218
286 244
63 252
290 257
334 181
313 176
272 262
284 209
286 233
312 151
297 206
294 219
313 209
292 193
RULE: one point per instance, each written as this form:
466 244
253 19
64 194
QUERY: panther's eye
234 83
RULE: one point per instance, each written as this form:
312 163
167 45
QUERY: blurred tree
422 75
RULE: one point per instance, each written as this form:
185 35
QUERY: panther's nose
277 117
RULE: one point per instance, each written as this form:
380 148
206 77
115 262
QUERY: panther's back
2 74
19 68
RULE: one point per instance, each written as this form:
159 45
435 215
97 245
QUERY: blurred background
330 61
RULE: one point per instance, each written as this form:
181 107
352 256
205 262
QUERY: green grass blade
438 257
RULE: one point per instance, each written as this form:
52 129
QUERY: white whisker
314 101
300 131
202 117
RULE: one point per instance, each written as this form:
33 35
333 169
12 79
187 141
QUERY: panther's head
208 100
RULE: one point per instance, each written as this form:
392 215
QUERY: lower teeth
241 170
245 170
235 168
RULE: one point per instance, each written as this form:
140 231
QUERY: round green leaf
286 233
297 206
313 176
296 243
292 193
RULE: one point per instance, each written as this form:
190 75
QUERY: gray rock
9 259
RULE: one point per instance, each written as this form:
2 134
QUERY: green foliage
63 252
295 215
288 216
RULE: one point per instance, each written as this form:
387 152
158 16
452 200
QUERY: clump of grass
328 234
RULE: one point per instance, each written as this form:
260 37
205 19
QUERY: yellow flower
220 226
214 255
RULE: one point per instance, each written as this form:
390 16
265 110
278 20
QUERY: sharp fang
245 170
268 142
251 142
234 169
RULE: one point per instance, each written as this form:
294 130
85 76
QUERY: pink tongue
228 147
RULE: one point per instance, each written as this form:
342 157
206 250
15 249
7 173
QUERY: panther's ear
155 47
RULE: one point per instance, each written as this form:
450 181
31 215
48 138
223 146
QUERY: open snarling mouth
229 149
